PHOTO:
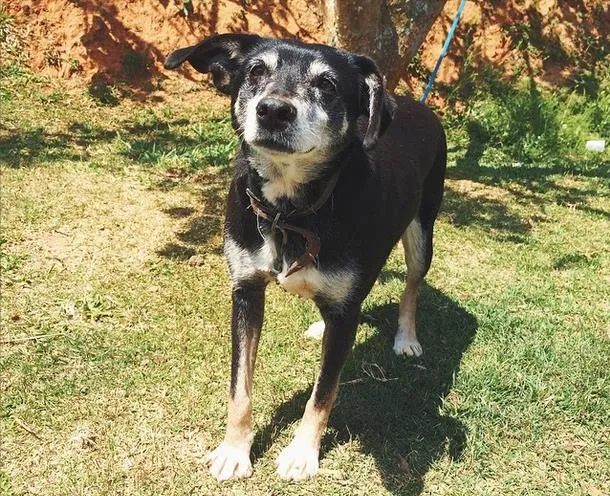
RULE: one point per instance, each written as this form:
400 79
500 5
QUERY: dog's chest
306 282
335 284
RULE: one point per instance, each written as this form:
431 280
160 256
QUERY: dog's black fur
389 154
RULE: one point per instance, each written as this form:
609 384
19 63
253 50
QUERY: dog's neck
292 182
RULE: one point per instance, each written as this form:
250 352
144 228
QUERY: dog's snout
274 114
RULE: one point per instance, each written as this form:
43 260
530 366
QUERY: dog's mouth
274 147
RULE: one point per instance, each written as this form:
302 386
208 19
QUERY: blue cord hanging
454 24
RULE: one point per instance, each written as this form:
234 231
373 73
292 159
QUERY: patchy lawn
115 339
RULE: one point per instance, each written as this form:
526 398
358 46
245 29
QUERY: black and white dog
331 172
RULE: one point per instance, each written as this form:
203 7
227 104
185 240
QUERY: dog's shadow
391 405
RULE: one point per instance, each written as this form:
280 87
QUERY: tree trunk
389 31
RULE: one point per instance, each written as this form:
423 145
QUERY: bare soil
107 40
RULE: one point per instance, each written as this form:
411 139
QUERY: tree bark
389 31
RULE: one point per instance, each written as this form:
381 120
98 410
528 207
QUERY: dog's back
415 143
413 149
382 191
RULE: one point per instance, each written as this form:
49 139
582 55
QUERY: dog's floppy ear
375 101
220 55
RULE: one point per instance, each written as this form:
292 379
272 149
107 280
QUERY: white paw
406 346
297 461
227 462
315 330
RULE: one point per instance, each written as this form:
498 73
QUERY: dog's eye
257 70
326 84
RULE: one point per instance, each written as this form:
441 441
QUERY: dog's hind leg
315 330
417 243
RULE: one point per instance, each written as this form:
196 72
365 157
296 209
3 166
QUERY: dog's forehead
304 59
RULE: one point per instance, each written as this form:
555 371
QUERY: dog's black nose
274 114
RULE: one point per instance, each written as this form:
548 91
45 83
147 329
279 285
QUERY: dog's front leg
300 459
231 460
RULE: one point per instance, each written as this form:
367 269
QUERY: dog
331 171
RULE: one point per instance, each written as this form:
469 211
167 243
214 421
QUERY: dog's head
292 99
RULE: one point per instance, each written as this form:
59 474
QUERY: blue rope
454 24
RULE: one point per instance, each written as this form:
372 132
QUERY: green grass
519 122
111 255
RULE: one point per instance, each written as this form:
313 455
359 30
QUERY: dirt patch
106 40
107 229
474 189
551 41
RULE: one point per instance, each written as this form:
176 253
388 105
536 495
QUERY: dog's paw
405 346
227 462
297 461
315 330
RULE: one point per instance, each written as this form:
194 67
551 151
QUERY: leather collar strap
312 240
313 245
319 203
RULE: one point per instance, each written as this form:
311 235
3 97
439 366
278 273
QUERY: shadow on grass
154 140
176 252
486 213
199 228
529 184
27 147
528 131
398 422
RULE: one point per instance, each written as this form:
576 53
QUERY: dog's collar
278 221
254 182
322 199
312 240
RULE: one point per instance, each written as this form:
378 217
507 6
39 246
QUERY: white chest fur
335 285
